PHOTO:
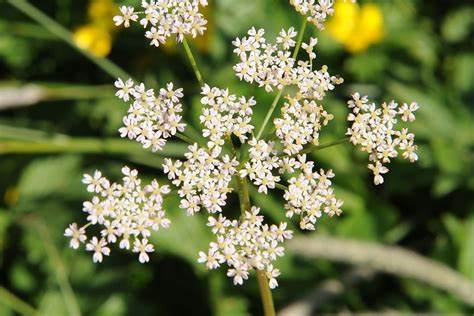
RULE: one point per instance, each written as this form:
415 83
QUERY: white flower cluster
127 212
203 179
262 160
310 194
165 18
271 65
316 11
373 128
300 124
151 119
245 244
223 114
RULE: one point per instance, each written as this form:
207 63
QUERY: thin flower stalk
278 95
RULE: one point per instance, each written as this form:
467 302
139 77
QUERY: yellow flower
102 11
356 27
93 38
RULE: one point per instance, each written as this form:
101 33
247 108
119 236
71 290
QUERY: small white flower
272 274
125 89
94 183
238 273
99 247
142 247
78 235
127 15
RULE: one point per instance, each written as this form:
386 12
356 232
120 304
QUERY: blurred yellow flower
93 38
356 27
102 10
96 36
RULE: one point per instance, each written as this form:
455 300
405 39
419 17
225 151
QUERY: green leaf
232 306
5 221
52 304
113 306
457 25
459 69
48 176
186 236
466 254
22 278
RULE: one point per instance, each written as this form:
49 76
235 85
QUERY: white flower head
152 117
244 245
165 18
374 130
127 213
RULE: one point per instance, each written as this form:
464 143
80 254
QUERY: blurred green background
59 119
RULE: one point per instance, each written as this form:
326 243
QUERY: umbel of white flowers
374 129
127 212
165 18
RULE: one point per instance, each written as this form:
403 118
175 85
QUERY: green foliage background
426 55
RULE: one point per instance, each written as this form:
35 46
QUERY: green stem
109 67
316 148
244 198
300 38
81 145
133 152
281 186
265 294
242 186
185 138
269 113
15 303
278 96
192 61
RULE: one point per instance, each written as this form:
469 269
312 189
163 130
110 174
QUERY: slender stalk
269 113
57 29
278 96
15 303
192 61
319 147
244 198
300 38
185 138
265 294
281 186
